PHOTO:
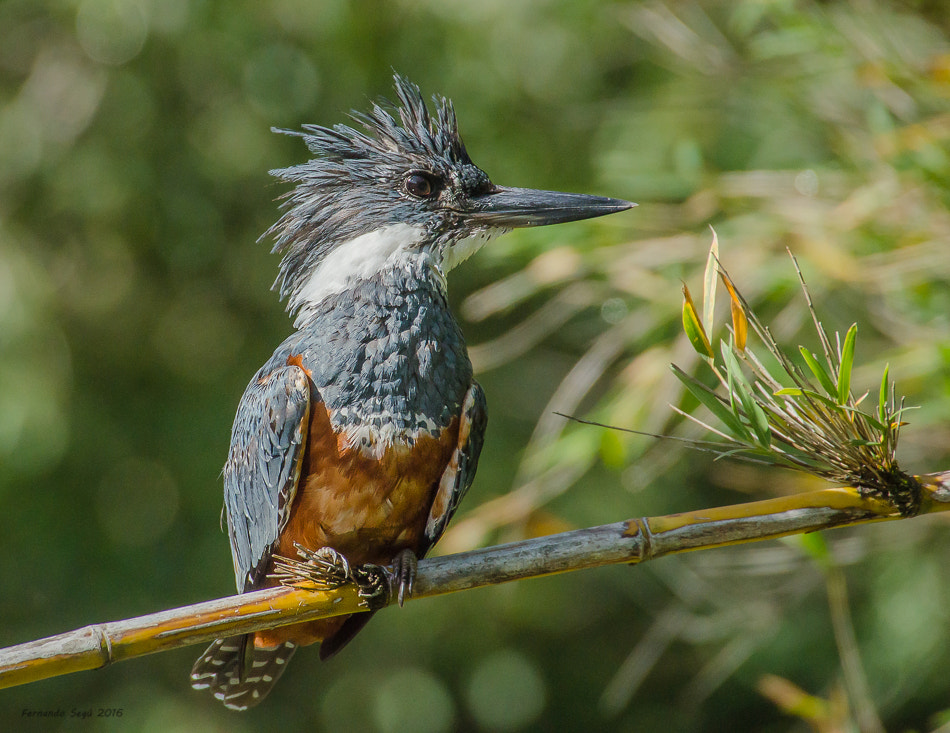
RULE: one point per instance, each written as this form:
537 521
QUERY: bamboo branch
632 541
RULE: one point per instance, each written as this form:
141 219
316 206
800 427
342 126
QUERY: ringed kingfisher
362 432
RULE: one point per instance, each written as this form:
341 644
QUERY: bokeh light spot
506 692
613 310
111 31
413 699
280 81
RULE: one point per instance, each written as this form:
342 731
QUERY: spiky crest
338 193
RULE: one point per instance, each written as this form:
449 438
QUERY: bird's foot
326 569
373 582
320 569
405 566
379 584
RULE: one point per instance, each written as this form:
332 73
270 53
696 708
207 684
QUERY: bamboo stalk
632 541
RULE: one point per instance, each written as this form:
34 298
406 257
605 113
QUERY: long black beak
507 208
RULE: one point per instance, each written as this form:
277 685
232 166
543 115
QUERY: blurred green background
135 305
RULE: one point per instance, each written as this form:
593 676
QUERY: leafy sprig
807 417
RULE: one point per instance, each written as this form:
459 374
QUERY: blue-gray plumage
362 432
269 440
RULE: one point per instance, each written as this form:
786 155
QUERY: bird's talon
320 569
375 587
380 585
405 565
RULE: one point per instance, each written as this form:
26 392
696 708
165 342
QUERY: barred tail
239 673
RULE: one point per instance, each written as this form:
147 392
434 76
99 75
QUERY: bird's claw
320 569
326 569
373 583
405 565
380 585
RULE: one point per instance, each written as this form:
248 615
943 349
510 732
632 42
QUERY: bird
362 433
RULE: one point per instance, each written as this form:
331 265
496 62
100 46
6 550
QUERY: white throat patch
457 253
358 259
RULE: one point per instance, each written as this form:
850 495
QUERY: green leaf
811 395
827 401
708 398
789 392
740 386
882 398
847 361
873 422
760 423
693 327
858 443
824 379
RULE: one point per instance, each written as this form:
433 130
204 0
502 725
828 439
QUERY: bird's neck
392 294
384 258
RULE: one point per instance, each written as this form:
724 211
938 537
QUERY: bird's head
400 189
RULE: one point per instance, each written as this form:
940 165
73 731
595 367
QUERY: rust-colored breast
365 507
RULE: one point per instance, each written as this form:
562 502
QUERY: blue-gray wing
268 440
460 472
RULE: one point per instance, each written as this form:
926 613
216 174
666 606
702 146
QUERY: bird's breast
368 507
389 361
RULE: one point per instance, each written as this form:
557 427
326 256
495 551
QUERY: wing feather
458 475
268 440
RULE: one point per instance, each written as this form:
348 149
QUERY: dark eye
421 185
